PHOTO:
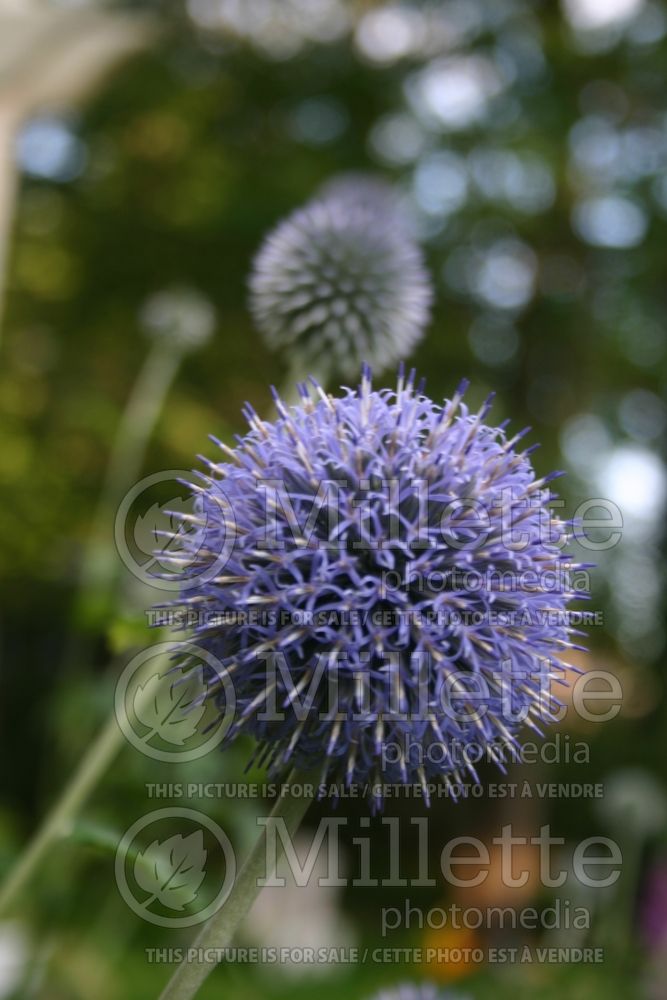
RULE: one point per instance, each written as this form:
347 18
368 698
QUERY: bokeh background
145 151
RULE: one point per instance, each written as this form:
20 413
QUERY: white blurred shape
634 802
635 583
506 275
51 56
643 415
595 147
634 479
521 54
454 93
650 27
397 138
46 147
524 180
13 958
595 15
644 151
441 183
585 442
309 915
531 188
389 33
182 316
280 28
610 221
320 20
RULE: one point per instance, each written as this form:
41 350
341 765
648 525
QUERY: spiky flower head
368 191
408 991
392 591
181 317
341 282
634 802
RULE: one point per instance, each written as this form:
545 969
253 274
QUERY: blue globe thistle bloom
426 991
182 317
367 190
383 579
341 281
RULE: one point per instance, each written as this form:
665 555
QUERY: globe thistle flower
341 282
181 317
634 803
426 991
368 191
352 561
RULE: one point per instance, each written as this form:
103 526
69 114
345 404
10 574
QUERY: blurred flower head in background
182 317
400 568
14 958
341 282
366 191
634 802
425 991
310 913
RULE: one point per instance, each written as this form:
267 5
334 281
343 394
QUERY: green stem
140 416
59 822
100 563
98 573
219 930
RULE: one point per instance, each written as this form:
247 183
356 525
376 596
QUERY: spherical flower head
634 802
408 991
180 317
363 583
368 191
341 282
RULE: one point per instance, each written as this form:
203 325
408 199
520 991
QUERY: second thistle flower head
341 281
180 317
383 581
425 991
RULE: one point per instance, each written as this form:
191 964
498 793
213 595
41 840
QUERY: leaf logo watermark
174 879
148 533
168 708
160 529
172 871
163 704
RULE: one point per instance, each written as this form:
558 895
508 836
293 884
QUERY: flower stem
100 562
219 930
98 573
59 822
